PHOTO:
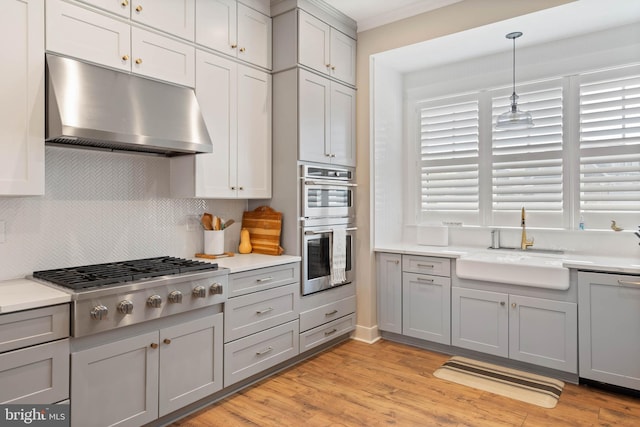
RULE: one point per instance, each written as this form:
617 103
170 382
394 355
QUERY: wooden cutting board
264 225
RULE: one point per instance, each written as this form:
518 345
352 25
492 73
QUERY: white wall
102 207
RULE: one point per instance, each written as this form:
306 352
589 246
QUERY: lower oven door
317 256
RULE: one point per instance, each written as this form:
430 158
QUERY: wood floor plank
386 383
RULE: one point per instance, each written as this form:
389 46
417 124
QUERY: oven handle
331 183
309 232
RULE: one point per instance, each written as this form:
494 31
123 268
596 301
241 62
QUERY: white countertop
244 262
24 294
569 260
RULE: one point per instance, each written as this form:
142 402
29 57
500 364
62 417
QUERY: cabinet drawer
31 327
263 278
258 311
326 313
35 375
251 355
324 333
426 265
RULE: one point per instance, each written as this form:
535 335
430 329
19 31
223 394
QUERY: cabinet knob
333 68
154 301
240 188
125 3
125 57
233 46
242 49
154 345
328 65
139 8
139 61
513 304
233 188
167 341
502 303
396 262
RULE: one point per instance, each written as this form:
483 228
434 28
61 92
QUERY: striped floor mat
523 386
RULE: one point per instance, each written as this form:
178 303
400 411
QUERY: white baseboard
365 334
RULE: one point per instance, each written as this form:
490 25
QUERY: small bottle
581 224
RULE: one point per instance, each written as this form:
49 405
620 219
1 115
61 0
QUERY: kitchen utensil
217 223
207 221
227 224
264 225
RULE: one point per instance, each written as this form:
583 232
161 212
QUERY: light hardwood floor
357 384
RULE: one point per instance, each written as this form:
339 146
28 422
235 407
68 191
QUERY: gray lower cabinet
255 353
609 314
389 292
133 381
38 374
261 320
426 302
535 330
34 355
414 296
327 315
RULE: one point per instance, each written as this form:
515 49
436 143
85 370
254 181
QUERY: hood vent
94 107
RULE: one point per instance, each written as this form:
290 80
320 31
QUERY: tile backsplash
104 207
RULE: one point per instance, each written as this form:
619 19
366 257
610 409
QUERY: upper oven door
324 199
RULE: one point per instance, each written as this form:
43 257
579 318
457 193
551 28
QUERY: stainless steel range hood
94 107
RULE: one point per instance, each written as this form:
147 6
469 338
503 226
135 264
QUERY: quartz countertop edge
25 294
244 262
585 262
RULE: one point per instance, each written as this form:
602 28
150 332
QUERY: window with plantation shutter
449 155
527 164
610 141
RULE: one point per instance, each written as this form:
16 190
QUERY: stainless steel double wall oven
328 204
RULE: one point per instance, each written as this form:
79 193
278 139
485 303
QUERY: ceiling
540 27
374 13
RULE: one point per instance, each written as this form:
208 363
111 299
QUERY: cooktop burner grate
88 276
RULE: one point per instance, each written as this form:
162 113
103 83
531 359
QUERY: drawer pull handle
331 313
331 332
266 310
426 265
422 279
265 351
266 279
625 282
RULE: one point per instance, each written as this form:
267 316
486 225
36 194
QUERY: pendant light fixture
514 119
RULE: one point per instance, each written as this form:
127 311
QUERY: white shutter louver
610 141
449 156
527 164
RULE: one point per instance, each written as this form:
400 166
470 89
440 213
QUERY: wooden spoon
207 221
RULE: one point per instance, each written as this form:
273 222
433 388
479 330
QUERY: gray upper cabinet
609 314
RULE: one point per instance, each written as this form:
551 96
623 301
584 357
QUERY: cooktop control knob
216 289
125 307
175 297
200 292
99 312
154 301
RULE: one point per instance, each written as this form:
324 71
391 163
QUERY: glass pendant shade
514 119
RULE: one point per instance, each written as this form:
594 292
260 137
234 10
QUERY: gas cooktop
115 273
